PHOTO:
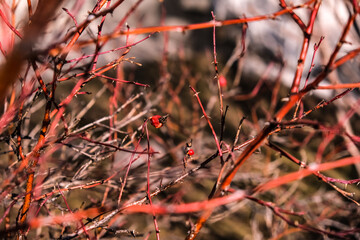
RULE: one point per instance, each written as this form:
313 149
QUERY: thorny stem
307 30
180 28
149 155
216 68
33 162
124 181
208 120
318 174
316 47
219 86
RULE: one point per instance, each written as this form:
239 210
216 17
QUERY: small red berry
158 121
155 121
222 81
190 152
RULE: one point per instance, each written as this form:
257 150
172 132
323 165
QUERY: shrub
113 127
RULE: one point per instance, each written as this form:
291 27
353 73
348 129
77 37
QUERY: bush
111 128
